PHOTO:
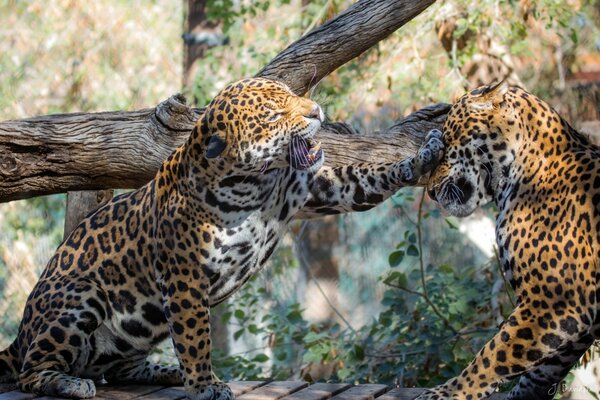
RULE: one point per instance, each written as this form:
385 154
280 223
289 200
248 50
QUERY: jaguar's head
257 123
479 137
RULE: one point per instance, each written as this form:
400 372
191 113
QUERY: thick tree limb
60 153
325 49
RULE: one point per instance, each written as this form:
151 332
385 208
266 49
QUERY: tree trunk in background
80 204
197 30
315 241
199 34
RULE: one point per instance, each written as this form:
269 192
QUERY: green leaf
239 314
280 355
461 27
261 358
396 278
435 213
238 333
452 222
400 245
226 317
446 268
412 238
412 251
312 337
253 329
359 352
311 357
294 316
344 373
396 258
574 36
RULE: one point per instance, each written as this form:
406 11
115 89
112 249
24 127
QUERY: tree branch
323 50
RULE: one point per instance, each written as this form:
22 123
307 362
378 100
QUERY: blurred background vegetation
397 294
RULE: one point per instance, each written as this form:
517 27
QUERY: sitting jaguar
150 263
507 146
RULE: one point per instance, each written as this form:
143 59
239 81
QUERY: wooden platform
288 390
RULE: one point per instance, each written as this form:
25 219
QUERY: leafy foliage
434 318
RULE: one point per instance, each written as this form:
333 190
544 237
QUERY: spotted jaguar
150 263
505 145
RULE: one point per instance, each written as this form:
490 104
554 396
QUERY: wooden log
59 153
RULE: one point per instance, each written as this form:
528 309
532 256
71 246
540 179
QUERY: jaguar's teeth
314 151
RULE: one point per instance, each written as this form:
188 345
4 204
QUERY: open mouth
304 153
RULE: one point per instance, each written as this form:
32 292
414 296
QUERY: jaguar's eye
274 117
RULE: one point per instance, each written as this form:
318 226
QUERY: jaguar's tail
9 364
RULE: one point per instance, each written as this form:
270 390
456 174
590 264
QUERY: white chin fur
316 166
459 210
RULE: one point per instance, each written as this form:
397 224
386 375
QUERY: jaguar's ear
489 96
215 146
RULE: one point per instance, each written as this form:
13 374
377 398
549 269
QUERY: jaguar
507 146
149 264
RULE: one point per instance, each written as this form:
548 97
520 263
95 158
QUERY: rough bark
95 151
60 153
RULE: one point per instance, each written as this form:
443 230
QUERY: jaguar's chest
242 247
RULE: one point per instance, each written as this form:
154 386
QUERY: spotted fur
507 146
149 264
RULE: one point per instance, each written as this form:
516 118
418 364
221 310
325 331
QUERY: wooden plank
402 394
319 391
239 388
16 395
362 392
412 393
169 393
124 392
249 390
274 390
176 393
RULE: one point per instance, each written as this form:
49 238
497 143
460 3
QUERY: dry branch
93 151
325 49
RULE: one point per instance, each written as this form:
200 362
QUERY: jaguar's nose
315 113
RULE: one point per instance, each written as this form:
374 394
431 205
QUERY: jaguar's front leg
360 187
186 308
